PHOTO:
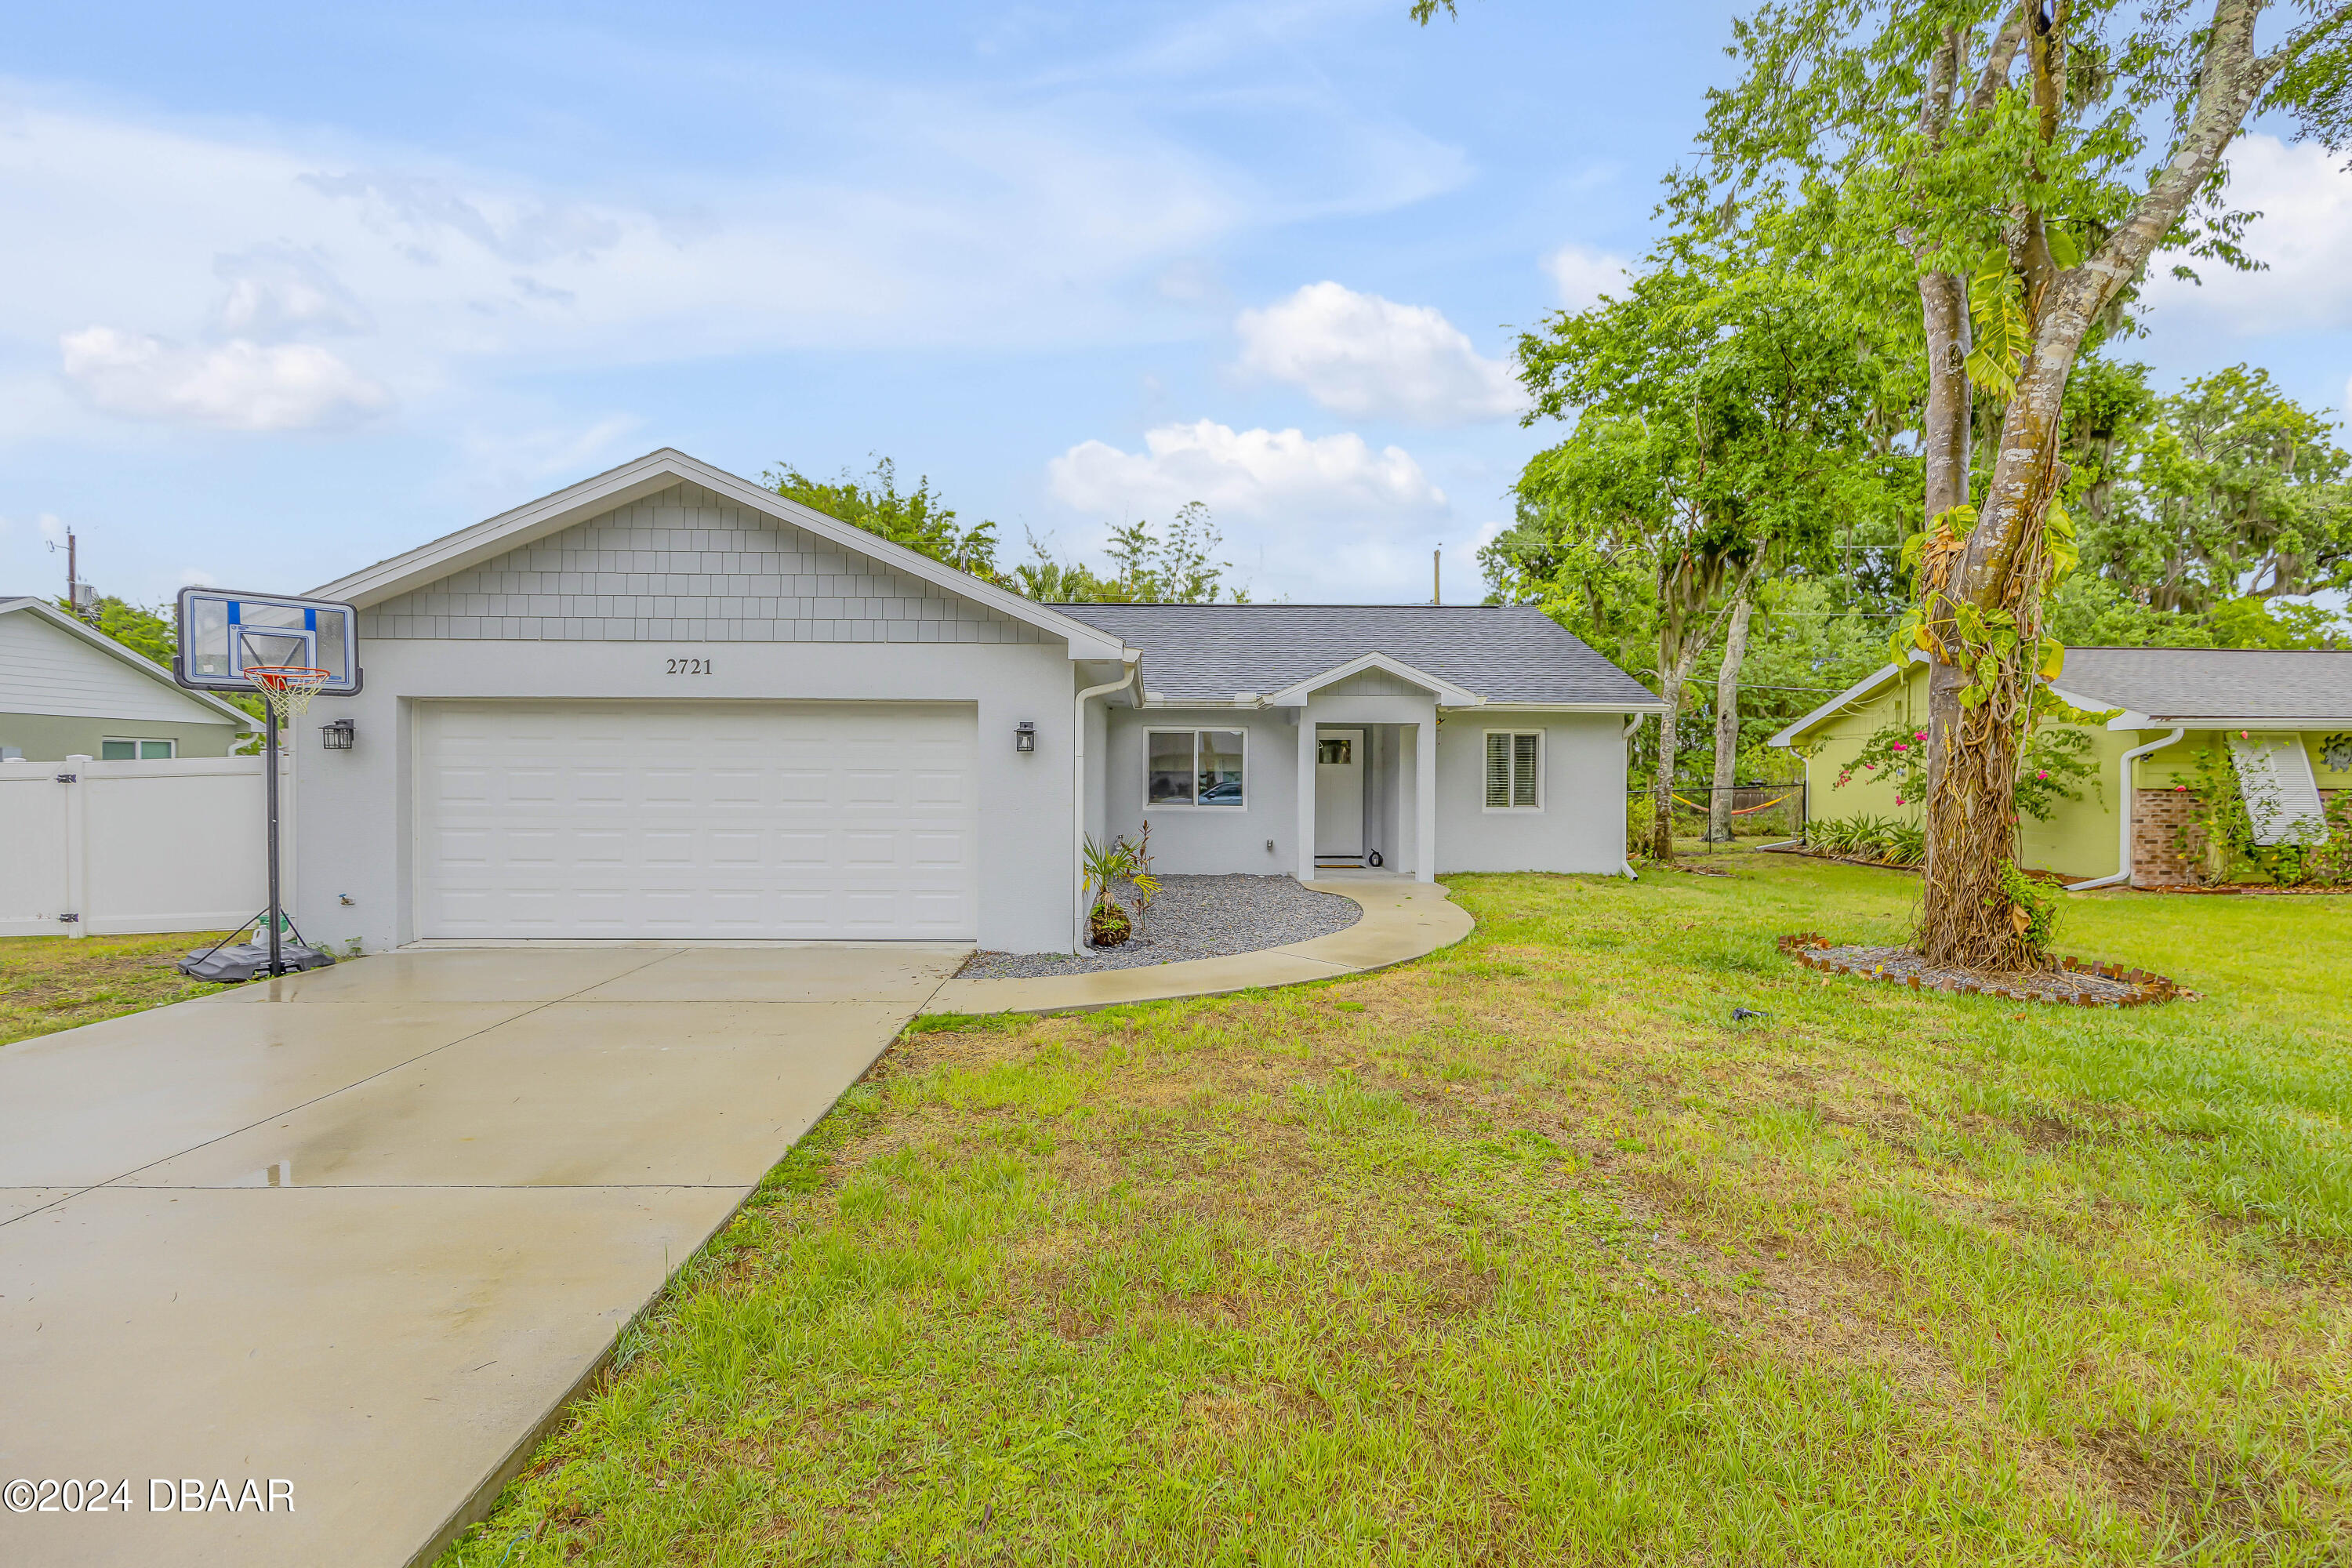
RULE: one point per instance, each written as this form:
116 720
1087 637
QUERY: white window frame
1484 744
1196 732
138 744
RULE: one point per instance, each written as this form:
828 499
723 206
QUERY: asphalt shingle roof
2213 683
1505 653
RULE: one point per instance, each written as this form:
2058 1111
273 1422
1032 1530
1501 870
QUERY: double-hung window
1194 767
1513 769
136 750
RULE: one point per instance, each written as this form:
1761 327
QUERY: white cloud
1362 355
1270 475
235 386
197 577
1583 274
2304 235
500 464
277 291
1323 519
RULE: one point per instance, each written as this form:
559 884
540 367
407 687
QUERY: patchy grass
1528 1252
47 983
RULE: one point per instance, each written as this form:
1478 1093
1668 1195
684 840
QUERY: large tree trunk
1682 653
1727 721
1967 916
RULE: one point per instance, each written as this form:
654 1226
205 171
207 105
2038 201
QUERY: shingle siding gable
687 564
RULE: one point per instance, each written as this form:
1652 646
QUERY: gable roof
98 642
658 470
1507 655
1843 699
2176 685
2191 686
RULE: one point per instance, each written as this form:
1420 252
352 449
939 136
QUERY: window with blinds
1514 763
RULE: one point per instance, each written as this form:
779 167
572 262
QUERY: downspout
1633 723
2123 833
1079 791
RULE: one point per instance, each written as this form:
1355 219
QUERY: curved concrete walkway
1402 920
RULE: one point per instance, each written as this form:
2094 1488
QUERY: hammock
1745 810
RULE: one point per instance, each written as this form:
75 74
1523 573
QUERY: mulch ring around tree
2073 984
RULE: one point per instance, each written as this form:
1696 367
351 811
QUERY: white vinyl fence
92 848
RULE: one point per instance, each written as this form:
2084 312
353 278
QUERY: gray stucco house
68 691
667 702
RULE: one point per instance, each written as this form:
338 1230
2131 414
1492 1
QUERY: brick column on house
2162 853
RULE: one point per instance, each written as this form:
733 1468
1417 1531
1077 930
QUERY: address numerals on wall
689 666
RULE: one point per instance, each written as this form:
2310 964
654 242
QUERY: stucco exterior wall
48 738
2080 837
1209 840
1833 746
1582 824
359 805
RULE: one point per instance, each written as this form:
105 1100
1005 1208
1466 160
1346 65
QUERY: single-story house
667 702
68 690
2285 716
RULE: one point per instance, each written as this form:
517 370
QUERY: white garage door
696 819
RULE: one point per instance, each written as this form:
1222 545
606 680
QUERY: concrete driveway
352 1235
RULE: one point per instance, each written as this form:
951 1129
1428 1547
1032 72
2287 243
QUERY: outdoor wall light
1024 736
339 735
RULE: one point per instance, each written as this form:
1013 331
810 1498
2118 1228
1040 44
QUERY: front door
1339 796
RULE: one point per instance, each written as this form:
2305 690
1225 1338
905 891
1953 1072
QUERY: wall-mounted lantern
1024 736
339 735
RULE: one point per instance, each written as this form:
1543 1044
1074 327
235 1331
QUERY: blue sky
289 289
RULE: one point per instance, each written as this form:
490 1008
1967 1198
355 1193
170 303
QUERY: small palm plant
1105 863
1146 886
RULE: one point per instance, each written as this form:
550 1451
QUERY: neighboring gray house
667 702
68 691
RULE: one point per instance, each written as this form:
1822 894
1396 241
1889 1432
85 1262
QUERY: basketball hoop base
242 960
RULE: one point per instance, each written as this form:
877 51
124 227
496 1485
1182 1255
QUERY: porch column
1306 793
1424 800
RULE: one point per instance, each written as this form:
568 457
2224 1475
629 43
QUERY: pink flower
2044 774
1901 747
1898 800
1920 736
2180 789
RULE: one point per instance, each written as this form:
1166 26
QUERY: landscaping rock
2074 983
1193 917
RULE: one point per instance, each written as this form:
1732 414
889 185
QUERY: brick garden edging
2142 986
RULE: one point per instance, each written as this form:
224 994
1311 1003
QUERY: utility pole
77 605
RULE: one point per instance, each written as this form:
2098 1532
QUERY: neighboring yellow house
2287 717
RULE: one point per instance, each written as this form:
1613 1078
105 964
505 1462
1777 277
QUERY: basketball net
288 688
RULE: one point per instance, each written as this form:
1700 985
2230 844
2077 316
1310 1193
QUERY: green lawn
1528 1253
52 983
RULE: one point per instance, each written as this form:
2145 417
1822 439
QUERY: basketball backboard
223 630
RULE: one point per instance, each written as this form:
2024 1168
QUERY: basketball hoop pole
270 793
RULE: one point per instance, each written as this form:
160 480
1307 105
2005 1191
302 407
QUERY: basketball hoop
288 688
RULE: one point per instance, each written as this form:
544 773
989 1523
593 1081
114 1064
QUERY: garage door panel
723 820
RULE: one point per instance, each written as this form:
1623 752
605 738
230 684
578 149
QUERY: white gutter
1633 723
1078 788
2123 834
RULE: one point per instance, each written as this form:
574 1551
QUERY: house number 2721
689 666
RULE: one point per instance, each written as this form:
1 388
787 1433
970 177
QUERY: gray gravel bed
1193 917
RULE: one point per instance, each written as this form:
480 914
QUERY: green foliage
2217 841
1869 838
2055 764
152 632
1149 566
917 519
2216 501
2035 908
